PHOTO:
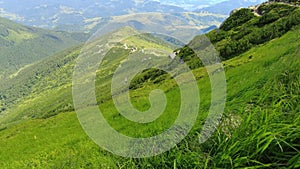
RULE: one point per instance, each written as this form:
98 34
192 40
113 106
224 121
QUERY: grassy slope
21 45
44 89
260 126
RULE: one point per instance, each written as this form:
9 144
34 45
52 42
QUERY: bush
237 19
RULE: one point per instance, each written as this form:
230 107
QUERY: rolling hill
22 45
80 16
188 23
259 128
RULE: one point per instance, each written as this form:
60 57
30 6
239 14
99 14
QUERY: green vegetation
260 126
247 28
237 19
244 30
295 2
21 45
259 129
47 75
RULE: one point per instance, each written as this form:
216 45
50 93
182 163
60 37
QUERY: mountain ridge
22 45
64 15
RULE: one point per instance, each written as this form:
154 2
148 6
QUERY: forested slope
22 45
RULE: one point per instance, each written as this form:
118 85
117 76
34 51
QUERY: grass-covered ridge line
260 127
48 83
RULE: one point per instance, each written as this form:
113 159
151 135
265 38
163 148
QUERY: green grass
61 148
260 127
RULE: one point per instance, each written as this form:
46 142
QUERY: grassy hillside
47 83
21 45
259 129
260 126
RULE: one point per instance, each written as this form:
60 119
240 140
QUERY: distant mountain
226 7
110 6
22 45
183 25
191 4
76 15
